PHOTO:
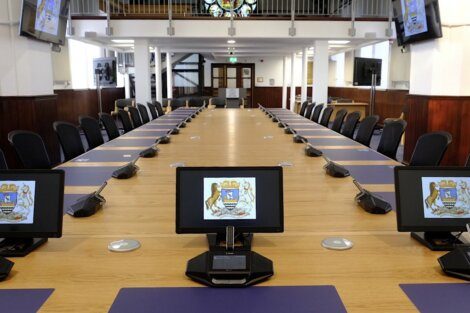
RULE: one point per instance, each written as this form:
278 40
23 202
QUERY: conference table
385 271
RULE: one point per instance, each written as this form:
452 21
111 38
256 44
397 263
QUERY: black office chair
391 136
467 164
125 121
316 113
30 149
430 149
339 119
159 108
303 108
135 116
366 129
196 102
92 130
69 139
109 125
143 113
177 103
153 110
3 162
308 110
350 124
219 103
325 118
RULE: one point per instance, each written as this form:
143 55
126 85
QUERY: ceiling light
338 42
123 45
122 40
338 46
231 41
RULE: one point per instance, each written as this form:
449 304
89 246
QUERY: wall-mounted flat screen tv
416 20
363 70
45 20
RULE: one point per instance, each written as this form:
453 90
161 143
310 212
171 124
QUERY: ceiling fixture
339 42
231 41
123 40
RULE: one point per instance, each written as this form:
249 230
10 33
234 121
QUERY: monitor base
217 241
437 241
18 247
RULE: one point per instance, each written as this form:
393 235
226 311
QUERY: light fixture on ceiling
339 42
231 41
128 41
338 46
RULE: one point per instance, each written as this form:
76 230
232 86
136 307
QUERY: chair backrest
30 149
177 103
125 120
109 125
196 102
391 137
153 110
69 139
467 164
135 116
338 121
159 108
350 124
308 110
366 129
218 102
316 113
325 118
430 149
92 130
303 107
3 162
143 113
122 103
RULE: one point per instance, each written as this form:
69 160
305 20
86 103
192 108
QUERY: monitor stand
16 247
437 241
218 241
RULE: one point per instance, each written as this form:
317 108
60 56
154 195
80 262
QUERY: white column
158 74
303 93
284 82
143 92
320 72
292 81
169 76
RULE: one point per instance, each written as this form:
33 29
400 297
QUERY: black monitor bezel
402 228
209 230
60 211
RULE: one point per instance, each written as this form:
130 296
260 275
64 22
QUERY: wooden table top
87 277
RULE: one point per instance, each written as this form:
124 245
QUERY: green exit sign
233 60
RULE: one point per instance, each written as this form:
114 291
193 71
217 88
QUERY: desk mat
331 141
439 298
107 156
87 176
23 300
295 299
372 174
130 142
363 154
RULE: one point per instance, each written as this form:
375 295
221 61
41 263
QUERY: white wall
25 64
81 57
61 68
399 68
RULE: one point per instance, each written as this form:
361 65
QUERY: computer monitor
31 209
208 199
433 202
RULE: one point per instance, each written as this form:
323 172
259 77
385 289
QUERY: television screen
363 70
45 20
210 198
416 20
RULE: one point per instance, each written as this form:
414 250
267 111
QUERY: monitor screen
432 198
363 70
416 20
45 20
31 203
210 198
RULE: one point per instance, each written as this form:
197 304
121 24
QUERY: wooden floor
87 277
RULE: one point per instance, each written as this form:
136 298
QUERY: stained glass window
221 8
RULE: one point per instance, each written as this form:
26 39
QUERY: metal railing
259 8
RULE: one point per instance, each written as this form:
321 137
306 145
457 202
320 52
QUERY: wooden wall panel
434 113
270 97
